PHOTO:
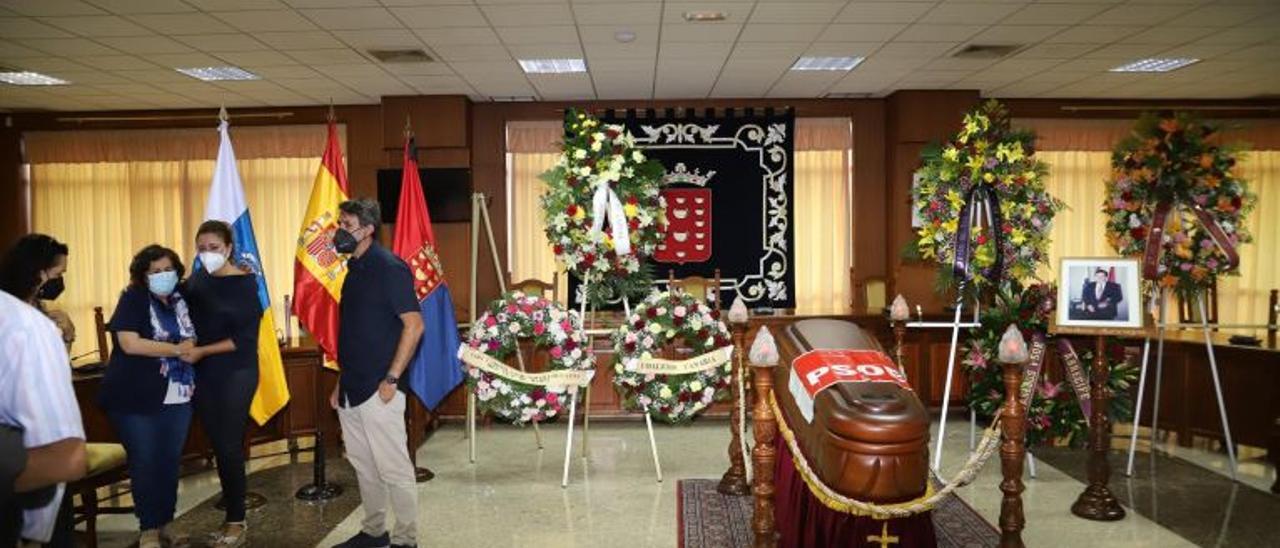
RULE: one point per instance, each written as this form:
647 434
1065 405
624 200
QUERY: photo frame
1099 296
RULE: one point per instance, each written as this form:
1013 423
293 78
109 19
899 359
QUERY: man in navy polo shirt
379 326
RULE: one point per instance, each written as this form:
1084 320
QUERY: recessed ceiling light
826 63
28 78
624 36
1155 64
704 16
553 66
213 74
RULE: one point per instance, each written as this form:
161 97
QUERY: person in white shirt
36 396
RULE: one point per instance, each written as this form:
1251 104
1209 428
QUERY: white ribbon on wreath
604 203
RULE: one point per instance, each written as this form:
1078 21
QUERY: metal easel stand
1217 388
480 210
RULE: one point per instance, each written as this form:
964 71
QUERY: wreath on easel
1174 199
694 383
982 199
601 177
515 395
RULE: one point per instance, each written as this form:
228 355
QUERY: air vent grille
401 56
985 51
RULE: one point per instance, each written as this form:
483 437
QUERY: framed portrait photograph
1099 295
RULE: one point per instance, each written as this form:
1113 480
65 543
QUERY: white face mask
212 261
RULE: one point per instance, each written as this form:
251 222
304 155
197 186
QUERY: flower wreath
661 319
991 166
601 176
1173 198
496 334
1054 415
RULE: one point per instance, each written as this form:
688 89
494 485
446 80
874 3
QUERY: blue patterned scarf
174 328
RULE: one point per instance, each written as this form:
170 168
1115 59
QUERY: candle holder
1013 451
734 480
1096 502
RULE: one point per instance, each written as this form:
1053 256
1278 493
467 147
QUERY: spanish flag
227 204
318 272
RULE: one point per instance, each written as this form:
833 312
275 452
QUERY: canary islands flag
227 204
435 370
318 271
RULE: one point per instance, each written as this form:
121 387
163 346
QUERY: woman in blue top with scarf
147 388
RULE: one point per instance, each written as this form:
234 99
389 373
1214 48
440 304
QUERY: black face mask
51 289
344 241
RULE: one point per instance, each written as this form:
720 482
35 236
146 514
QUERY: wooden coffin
868 440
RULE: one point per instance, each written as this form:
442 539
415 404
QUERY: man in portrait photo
1100 298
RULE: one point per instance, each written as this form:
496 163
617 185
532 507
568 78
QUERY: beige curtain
1079 179
107 210
822 171
823 225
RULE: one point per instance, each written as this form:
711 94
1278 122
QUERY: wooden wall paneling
439 121
14 216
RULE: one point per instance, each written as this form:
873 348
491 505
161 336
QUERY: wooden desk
309 384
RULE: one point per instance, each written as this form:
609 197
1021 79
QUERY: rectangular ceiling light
28 78
1155 65
553 66
214 74
826 63
705 16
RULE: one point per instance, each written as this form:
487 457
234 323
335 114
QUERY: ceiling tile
796 12
1168 35
860 32
883 12
327 56
236 5
1093 34
182 23
804 84
299 40
1055 51
675 51
434 17
379 38
539 34
1223 16
14 28
531 14
1053 14
969 13
180 60
69 46
1016 34
352 18
50 64
460 36
617 14
222 42
266 20
488 70
134 7
696 32
473 53
646 36
145 44
913 50
277 72
755 32
921 32
91 77
11 50
735 12
330 3
546 51
153 75
51 7
98 25
249 59
634 50
1139 14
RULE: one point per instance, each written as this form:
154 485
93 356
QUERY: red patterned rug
708 519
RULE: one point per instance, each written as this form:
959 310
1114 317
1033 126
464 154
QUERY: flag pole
420 473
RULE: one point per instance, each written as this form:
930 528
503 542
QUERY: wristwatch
391 379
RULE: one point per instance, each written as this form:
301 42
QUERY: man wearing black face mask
32 270
379 326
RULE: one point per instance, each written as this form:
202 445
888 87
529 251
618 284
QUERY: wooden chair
870 295
701 288
538 288
100 325
107 466
1188 309
1273 318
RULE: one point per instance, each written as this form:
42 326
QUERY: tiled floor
512 496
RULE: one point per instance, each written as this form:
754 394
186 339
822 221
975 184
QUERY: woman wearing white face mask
226 312
148 385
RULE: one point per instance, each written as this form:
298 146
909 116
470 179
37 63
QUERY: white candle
1013 348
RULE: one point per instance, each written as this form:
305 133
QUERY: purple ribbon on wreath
986 197
1155 238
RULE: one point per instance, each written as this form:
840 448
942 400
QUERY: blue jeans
153 443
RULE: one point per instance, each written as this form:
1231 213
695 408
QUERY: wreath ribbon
697 364
989 199
1155 239
1077 376
606 202
485 362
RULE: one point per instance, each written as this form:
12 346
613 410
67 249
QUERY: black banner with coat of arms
729 193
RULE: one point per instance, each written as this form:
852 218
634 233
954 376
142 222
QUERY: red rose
558 249
677 321
982 239
632 200
571 210
572 181
612 133
1138 233
652 313
1007 228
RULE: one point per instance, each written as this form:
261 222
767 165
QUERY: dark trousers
222 401
153 443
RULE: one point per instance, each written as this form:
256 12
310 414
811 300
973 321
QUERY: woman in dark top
226 312
148 384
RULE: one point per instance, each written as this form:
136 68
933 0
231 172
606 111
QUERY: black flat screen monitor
447 190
